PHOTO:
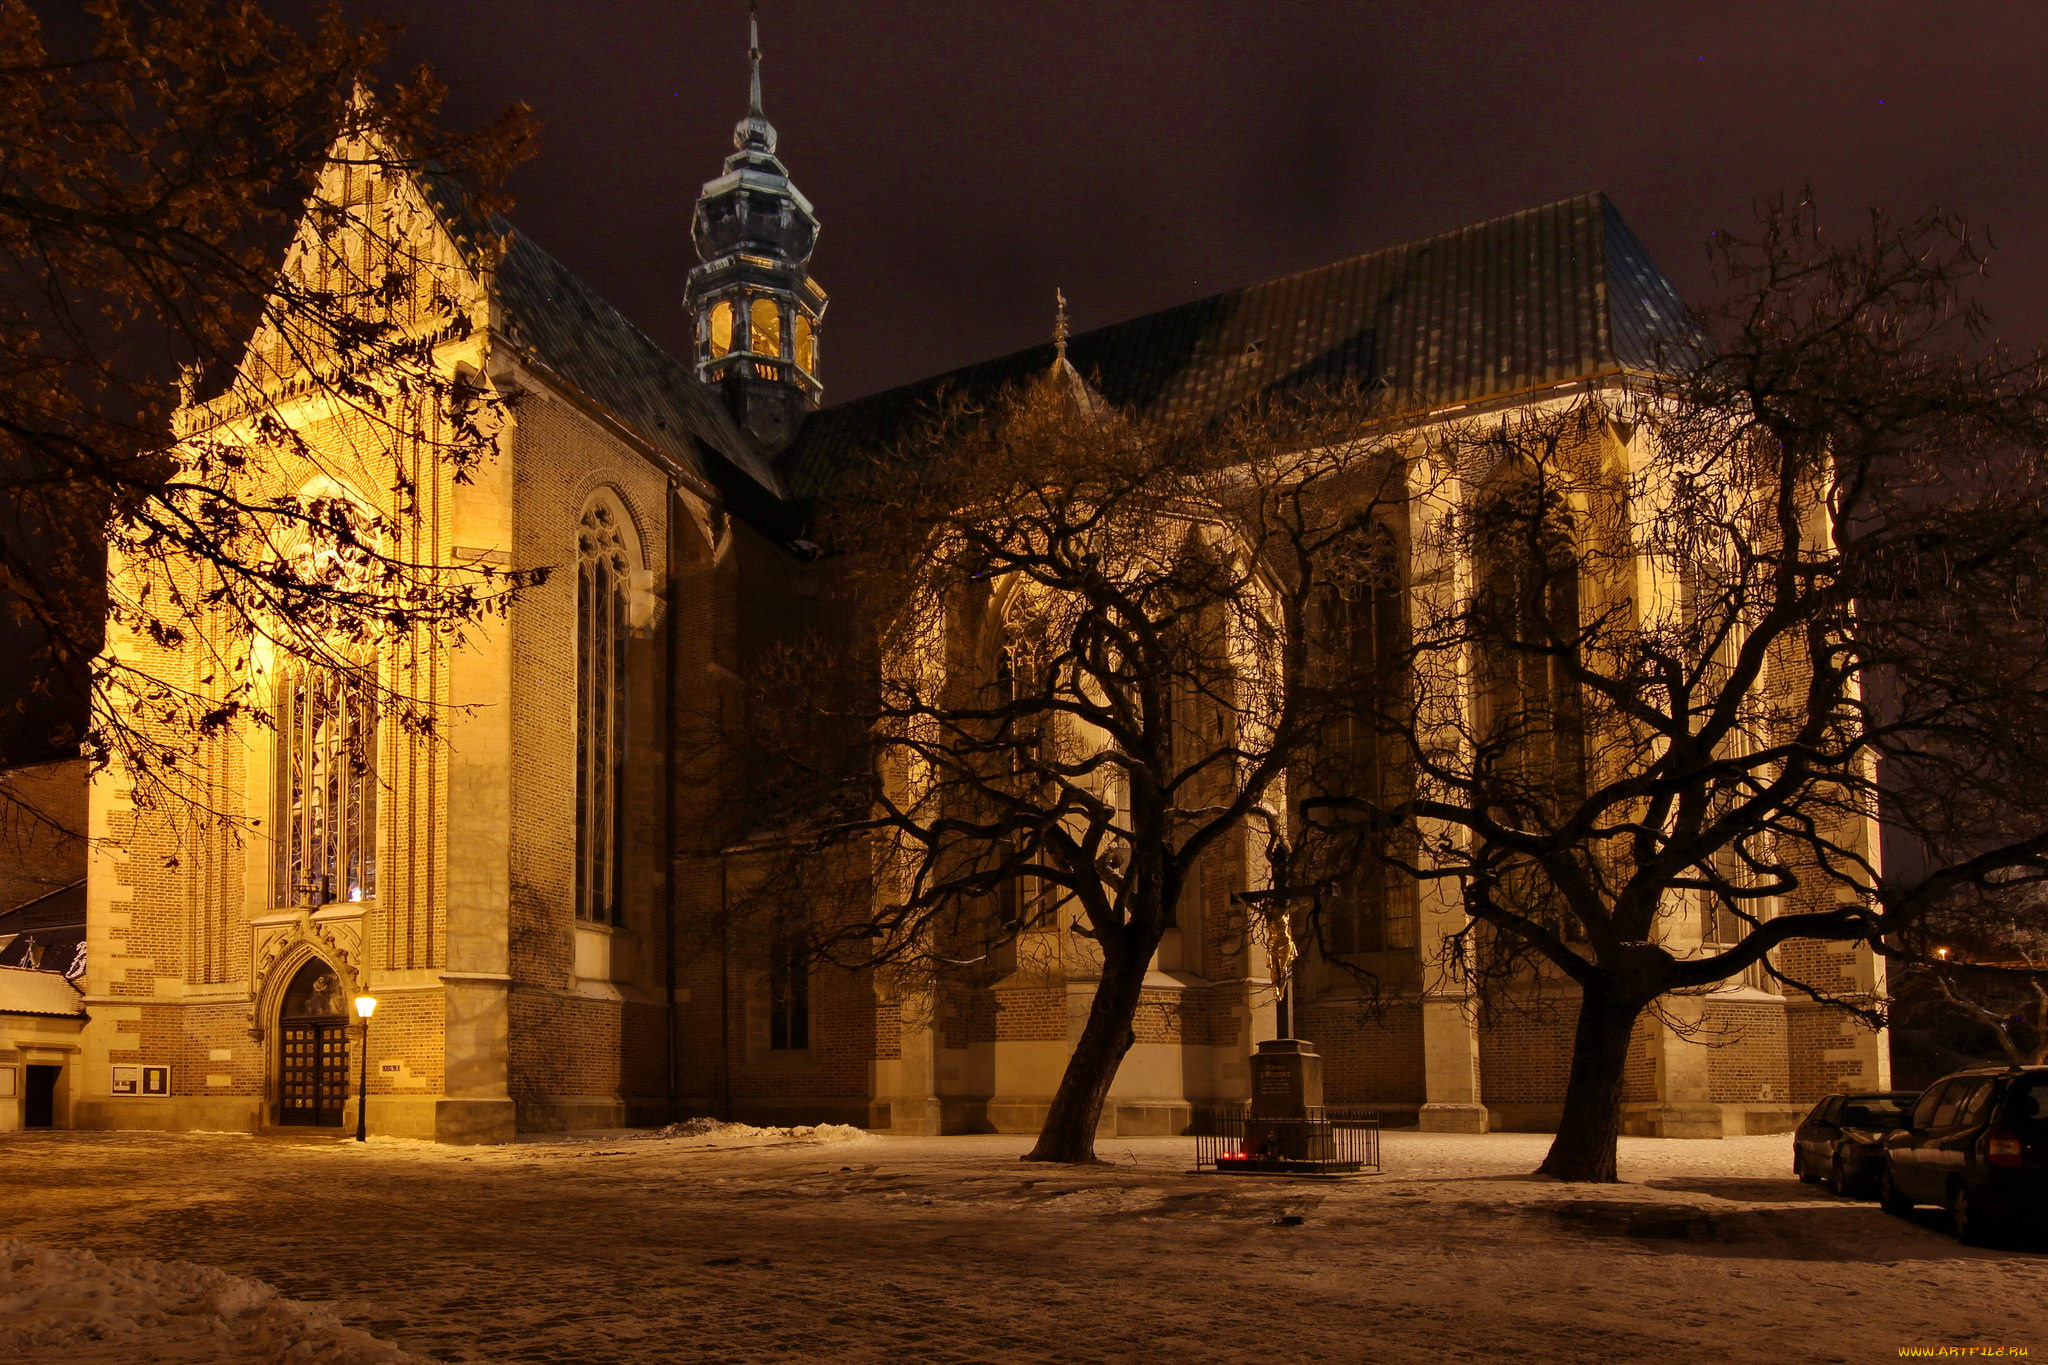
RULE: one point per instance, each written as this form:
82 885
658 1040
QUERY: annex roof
42 993
1544 297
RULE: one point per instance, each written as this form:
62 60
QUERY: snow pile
747 1135
58 1305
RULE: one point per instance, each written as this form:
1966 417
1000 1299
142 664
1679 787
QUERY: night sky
966 157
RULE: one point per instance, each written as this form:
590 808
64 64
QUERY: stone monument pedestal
1285 1123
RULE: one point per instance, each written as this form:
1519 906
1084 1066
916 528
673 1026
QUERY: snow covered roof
26 992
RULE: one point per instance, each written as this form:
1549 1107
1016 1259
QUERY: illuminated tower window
806 344
765 320
720 330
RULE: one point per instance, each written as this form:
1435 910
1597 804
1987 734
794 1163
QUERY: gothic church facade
516 894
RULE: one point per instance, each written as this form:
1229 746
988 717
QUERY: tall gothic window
1526 613
602 580
789 995
1359 623
326 790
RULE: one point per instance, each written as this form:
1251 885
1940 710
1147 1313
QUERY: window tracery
1359 626
603 580
326 825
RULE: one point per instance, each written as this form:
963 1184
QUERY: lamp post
366 1005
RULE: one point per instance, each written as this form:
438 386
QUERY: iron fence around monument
1328 1141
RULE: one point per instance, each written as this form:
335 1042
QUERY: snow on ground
71 1306
771 1246
719 1133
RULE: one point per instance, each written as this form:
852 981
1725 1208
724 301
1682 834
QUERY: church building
523 895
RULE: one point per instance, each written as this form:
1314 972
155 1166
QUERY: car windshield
2026 1106
1878 1111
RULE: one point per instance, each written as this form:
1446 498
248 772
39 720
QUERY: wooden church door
312 1031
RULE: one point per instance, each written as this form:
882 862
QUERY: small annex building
517 895
42 1016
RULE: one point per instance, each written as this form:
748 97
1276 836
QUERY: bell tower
756 307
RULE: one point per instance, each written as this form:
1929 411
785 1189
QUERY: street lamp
366 1005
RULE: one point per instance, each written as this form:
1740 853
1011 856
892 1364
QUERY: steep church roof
573 332
1547 296
568 329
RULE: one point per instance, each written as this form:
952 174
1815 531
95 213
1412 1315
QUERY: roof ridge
1549 205
1595 198
1555 293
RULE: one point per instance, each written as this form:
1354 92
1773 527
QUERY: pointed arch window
326 785
605 563
1527 619
1359 629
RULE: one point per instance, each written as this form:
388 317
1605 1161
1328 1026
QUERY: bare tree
1656 647
1088 639
1702 620
206 212
1981 961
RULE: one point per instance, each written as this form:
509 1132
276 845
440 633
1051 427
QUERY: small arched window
718 329
605 562
326 784
806 344
764 317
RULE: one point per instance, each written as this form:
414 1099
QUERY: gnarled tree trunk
1591 1124
1069 1130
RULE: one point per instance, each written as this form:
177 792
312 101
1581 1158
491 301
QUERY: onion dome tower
756 307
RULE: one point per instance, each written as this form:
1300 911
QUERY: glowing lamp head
366 1005
1941 953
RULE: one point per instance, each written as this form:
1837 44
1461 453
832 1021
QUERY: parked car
1977 1144
1842 1141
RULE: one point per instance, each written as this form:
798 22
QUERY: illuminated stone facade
532 926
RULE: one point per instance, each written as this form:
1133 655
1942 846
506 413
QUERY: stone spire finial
754 57
754 132
1059 325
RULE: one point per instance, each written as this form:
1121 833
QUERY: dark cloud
966 156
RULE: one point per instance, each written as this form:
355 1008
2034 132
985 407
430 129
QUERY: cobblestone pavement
950 1250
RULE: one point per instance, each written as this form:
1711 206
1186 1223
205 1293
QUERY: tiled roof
1543 297
45 993
592 346
53 922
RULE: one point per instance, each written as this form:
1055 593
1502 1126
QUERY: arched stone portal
312 1048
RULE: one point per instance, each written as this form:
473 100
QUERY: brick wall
1030 1012
1369 1057
37 856
1525 1053
1753 1066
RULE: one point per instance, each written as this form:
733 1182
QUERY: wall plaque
156 1080
127 1080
